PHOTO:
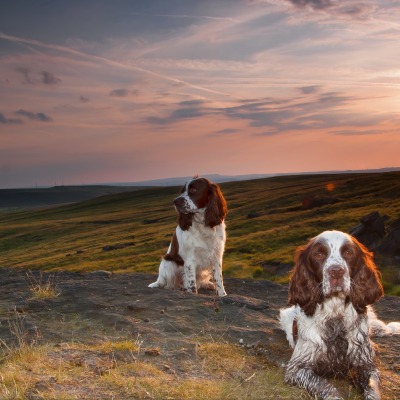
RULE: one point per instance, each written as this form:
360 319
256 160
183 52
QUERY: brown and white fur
332 286
196 251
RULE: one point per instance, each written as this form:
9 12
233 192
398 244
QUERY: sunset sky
130 90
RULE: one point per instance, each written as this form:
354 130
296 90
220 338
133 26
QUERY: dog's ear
304 286
185 221
216 209
366 287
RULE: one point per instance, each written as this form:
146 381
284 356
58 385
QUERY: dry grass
43 287
119 370
73 371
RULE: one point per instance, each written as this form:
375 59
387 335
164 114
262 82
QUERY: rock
242 301
371 230
253 214
152 352
313 201
390 245
150 221
276 267
102 274
117 246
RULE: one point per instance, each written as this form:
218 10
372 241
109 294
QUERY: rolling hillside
11 199
130 231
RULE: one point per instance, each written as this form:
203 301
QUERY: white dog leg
219 283
189 278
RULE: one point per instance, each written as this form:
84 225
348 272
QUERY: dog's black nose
179 202
336 272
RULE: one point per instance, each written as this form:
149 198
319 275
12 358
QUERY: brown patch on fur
173 254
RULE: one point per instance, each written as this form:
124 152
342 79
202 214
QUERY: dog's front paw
154 284
190 289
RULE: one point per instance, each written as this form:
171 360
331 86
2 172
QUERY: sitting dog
195 253
332 286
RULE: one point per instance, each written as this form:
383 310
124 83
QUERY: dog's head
200 195
334 264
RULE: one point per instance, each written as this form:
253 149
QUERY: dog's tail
380 328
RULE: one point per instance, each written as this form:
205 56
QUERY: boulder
371 230
390 245
313 201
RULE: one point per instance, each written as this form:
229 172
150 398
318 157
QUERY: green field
72 237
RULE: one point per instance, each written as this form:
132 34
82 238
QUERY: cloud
309 89
357 132
49 79
46 77
10 121
84 99
354 10
192 103
187 16
227 131
106 61
34 116
25 73
269 116
314 4
357 10
119 93
187 110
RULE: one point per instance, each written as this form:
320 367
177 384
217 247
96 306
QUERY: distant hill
11 199
30 198
217 178
180 180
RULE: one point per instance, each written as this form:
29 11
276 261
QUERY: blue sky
101 91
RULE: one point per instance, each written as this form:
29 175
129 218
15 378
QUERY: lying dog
332 286
195 253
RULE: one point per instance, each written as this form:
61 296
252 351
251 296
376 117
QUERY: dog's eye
347 253
319 255
192 190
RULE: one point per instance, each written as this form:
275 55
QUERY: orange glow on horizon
330 187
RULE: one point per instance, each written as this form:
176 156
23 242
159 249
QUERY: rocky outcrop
96 305
390 245
373 233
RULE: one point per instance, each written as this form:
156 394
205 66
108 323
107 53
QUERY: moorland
78 322
129 231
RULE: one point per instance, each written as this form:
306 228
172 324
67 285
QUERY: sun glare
330 187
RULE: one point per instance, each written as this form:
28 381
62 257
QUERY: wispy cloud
315 4
207 17
9 121
309 89
325 111
106 61
357 132
49 79
123 92
25 74
84 99
34 116
226 131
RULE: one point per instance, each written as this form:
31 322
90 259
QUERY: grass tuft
43 287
